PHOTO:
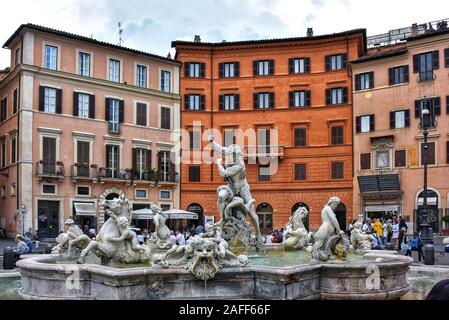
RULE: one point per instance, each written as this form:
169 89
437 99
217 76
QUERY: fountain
324 265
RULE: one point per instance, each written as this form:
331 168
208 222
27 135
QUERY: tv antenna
120 33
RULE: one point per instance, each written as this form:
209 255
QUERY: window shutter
447 104
392 120
92 106
416 63
159 160
447 151
220 102
371 80
291 99
41 98
344 60
291 65
14 101
202 70
108 103
271 103
237 69
391 76
417 108
172 168
202 102
58 101
108 151
357 82
256 68
307 65
149 159
134 159
328 97
436 59
186 102
237 101
75 104
446 58
186 69
308 97
221 70
406 73
437 106
358 126
345 94
371 123
121 111
256 100
327 61
271 67
407 118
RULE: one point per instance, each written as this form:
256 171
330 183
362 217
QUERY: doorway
48 219
340 213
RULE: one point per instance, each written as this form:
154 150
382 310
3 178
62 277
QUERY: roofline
85 39
269 41
380 56
428 35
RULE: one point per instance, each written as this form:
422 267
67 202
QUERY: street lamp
426 122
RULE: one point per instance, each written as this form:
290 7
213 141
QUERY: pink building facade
390 86
83 120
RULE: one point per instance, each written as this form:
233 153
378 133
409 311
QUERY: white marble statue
237 190
65 239
296 236
203 255
360 240
330 241
116 242
160 239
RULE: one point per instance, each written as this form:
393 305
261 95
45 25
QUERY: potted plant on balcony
445 220
59 168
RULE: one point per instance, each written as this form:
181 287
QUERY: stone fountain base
44 280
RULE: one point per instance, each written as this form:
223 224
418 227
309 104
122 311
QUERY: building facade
289 97
391 84
81 121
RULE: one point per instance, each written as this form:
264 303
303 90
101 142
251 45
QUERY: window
299 65
49 155
51 57
337 170
141 193
3 158
113 113
3 109
17 57
400 159
300 172
83 191
84 64
298 99
264 100
446 58
336 96
365 161
165 118
194 174
229 102
141 76
264 140
13 149
195 140
165 195
382 159
229 69
195 69
48 189
50 100
165 166
112 161
336 62
337 135
300 137
263 67
264 173
83 105
194 102
430 153
15 102
399 119
433 104
364 81
425 64
165 81
141 114
398 75
229 137
114 70
141 163
364 124
82 158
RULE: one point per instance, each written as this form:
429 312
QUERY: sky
151 25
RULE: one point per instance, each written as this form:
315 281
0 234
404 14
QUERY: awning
143 214
381 208
85 209
178 214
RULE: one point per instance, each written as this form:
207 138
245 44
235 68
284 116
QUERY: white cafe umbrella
143 214
179 214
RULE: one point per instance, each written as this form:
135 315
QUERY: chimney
310 32
414 30
197 39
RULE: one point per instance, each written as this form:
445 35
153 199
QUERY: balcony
84 172
427 76
114 174
142 176
270 151
114 128
168 178
49 171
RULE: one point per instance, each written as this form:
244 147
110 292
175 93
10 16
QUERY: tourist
376 242
276 236
385 232
377 227
199 230
351 226
172 237
180 239
389 230
193 230
269 239
29 243
20 248
367 226
403 226
395 234
92 232
281 235
416 245
140 238
86 230
30 234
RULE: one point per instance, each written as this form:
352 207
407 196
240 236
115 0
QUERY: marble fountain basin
271 275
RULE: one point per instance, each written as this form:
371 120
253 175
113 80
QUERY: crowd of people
277 236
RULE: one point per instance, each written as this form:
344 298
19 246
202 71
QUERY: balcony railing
50 170
144 175
114 127
168 177
426 76
84 171
264 151
115 174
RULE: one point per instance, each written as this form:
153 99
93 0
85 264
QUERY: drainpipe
19 90
212 101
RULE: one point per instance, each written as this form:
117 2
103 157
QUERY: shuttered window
300 171
165 118
50 100
400 159
264 173
194 70
446 58
229 102
336 96
425 64
194 102
298 99
337 135
3 109
364 81
49 155
194 174
300 137
398 75
337 170
195 140
15 102
336 62
364 124
141 114
263 67
430 153
264 100
82 158
299 65
229 70
114 70
400 119
365 161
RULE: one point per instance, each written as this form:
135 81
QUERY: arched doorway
306 221
265 213
432 209
198 209
340 213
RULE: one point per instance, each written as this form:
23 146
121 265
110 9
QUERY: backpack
415 243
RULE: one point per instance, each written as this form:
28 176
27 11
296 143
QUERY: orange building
293 95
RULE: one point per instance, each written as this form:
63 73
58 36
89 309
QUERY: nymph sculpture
64 239
360 240
296 235
160 240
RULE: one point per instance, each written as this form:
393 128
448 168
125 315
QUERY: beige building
390 83
83 120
